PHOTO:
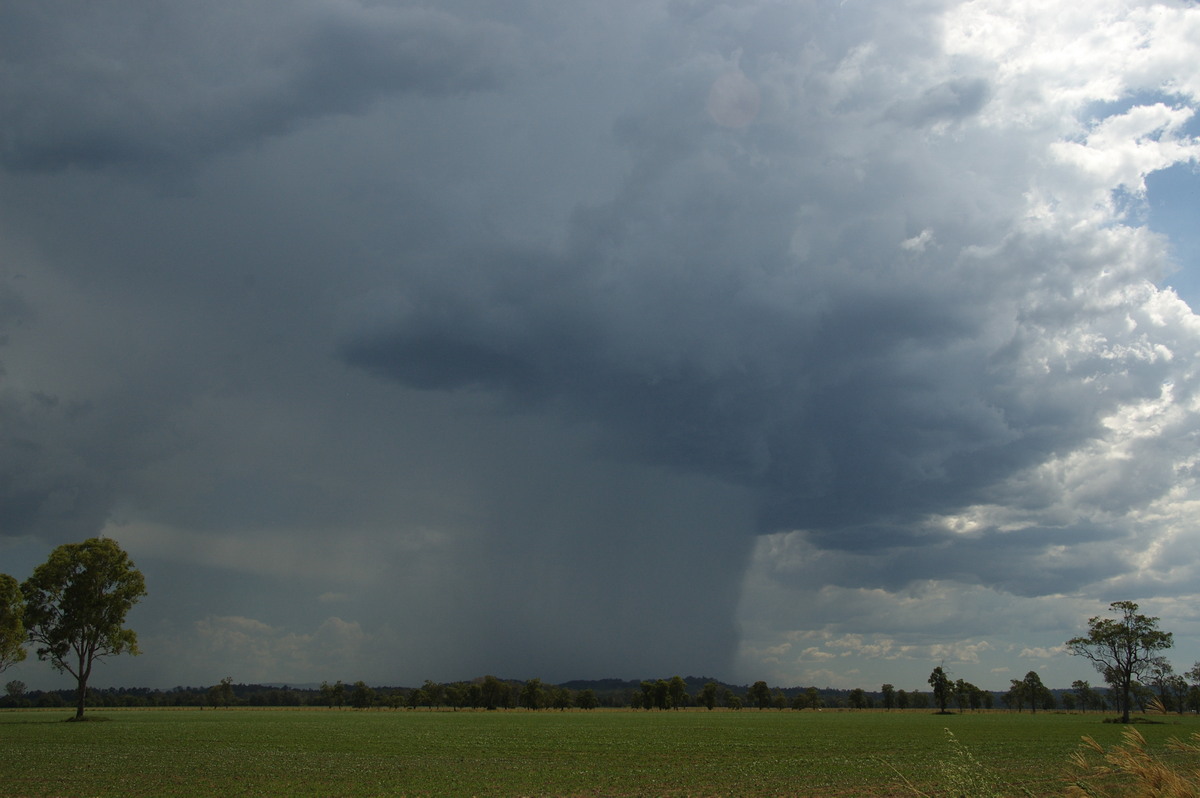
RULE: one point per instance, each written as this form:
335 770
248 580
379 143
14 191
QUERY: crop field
599 753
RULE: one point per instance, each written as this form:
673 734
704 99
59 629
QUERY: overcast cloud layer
808 341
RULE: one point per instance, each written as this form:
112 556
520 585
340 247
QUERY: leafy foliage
942 688
75 606
12 627
1122 649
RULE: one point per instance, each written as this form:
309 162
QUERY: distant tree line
488 692
64 607
1170 693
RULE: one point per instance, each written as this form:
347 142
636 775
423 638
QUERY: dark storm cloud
844 403
96 84
48 486
1019 562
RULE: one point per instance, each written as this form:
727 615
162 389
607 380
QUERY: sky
815 342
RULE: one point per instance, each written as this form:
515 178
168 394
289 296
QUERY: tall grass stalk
1128 770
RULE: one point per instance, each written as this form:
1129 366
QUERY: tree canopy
75 607
12 627
1122 648
760 694
942 688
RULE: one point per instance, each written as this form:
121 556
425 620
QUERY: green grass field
610 753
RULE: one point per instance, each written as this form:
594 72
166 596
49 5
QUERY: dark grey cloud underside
103 84
868 409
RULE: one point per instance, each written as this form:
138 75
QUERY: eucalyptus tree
362 696
531 696
967 695
942 688
708 695
1036 692
677 692
75 607
1084 693
760 694
221 695
1122 649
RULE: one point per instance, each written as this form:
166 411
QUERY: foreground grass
600 753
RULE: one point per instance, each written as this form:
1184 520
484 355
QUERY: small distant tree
677 692
1017 694
12 627
662 694
561 698
435 693
1172 687
15 690
1177 689
531 694
1192 677
708 695
889 696
221 695
965 694
1193 698
495 693
902 699
362 697
759 695
333 694
456 695
1122 649
942 688
858 698
75 605
1036 692
587 699
1083 694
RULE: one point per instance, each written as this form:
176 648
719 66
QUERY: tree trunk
81 675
